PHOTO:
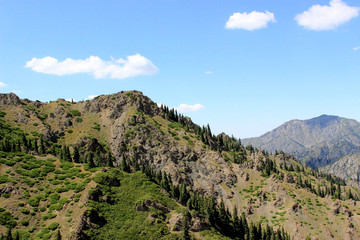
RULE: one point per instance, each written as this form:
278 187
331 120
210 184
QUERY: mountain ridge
210 176
313 139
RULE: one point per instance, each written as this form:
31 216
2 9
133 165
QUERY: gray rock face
347 167
317 142
9 99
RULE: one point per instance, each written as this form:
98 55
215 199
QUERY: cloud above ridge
182 108
132 66
250 21
320 18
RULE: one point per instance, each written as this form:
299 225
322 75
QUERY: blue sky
248 65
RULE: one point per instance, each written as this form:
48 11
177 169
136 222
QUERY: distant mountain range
317 142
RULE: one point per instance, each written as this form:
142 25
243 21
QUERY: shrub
6 195
25 211
70 131
34 202
53 226
61 189
79 120
48 216
6 219
75 113
96 127
186 137
24 222
66 165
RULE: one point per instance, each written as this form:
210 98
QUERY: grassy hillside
120 166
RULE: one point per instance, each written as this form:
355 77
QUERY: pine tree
90 160
35 145
76 155
109 160
17 236
42 147
8 235
184 195
185 223
124 165
58 235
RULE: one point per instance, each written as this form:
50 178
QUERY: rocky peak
9 99
322 121
120 101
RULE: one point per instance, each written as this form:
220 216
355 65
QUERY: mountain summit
317 141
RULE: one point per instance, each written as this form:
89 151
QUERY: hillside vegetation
120 167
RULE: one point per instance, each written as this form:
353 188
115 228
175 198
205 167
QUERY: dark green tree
76 155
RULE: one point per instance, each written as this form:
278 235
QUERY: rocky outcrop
9 99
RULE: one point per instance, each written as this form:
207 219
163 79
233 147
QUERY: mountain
347 167
120 167
317 142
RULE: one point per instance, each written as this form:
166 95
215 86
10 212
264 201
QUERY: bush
75 113
70 131
24 222
61 189
66 165
48 216
96 127
25 211
34 202
186 137
6 195
6 219
79 120
53 226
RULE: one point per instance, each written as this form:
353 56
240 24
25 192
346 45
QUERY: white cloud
327 17
2 84
189 108
91 97
16 91
250 21
356 48
132 66
208 72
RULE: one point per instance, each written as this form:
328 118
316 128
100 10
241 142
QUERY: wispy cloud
182 108
319 17
16 91
91 97
250 21
356 48
132 66
208 72
2 85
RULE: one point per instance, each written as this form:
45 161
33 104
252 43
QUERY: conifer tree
185 223
8 235
76 155
58 235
